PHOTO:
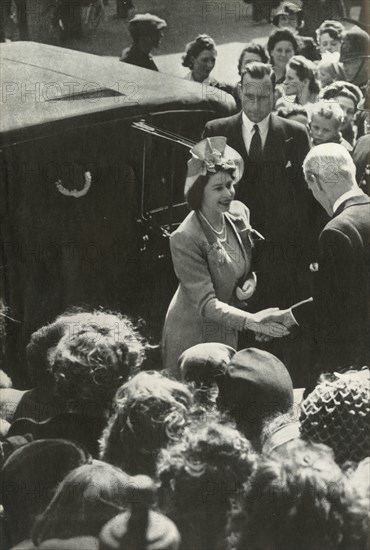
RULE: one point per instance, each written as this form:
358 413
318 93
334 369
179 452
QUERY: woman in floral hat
212 256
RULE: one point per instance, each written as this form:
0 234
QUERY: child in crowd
327 72
326 119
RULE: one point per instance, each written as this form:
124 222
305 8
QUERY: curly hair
333 28
86 499
151 410
345 89
356 507
286 110
293 501
281 35
194 48
95 358
201 477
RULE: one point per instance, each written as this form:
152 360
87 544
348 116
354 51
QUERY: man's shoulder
289 127
354 216
224 122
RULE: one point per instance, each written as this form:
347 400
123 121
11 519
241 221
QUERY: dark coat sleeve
326 312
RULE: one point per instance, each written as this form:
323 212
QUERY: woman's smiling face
218 193
203 64
281 53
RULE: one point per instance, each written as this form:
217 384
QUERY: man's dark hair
258 70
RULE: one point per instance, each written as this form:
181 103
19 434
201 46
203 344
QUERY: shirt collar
343 198
262 125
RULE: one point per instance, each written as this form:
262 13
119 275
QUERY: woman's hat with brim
210 153
355 45
287 8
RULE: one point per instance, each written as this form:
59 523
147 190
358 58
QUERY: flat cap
203 362
149 20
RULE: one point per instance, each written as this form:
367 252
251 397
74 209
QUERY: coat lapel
275 140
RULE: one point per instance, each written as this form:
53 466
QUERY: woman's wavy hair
257 49
287 110
292 501
305 69
334 29
94 358
86 499
277 36
151 411
345 89
194 48
194 196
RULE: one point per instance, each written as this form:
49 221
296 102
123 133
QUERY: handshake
271 323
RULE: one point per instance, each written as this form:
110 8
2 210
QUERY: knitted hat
203 362
355 45
209 153
337 413
258 377
140 528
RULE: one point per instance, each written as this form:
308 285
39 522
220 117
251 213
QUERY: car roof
47 88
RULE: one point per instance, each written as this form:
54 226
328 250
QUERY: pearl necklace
219 233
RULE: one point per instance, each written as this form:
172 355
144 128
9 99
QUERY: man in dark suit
272 187
338 312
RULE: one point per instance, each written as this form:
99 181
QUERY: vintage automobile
93 159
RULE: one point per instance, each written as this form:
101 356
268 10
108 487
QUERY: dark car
93 159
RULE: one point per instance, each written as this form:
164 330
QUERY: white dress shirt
248 130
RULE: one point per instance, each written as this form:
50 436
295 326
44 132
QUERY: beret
256 376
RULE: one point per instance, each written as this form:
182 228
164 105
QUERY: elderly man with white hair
338 312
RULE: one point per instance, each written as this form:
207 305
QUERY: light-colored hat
209 153
147 20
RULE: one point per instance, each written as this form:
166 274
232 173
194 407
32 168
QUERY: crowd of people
106 453
251 430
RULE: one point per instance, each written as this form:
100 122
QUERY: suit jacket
338 313
204 307
281 207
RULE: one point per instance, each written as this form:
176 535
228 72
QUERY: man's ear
239 90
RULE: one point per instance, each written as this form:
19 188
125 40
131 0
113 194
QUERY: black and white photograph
184 275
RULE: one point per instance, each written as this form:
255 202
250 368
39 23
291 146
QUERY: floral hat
209 153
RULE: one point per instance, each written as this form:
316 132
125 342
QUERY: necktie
255 148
